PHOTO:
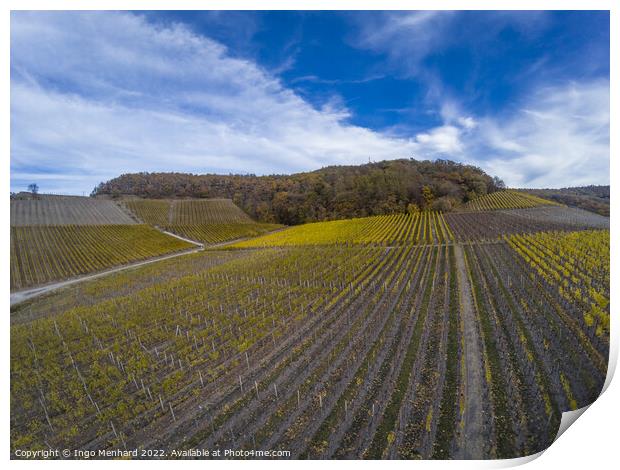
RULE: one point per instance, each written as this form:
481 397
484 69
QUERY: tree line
591 198
333 192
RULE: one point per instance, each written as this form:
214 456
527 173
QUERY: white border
591 443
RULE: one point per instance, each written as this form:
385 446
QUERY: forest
334 192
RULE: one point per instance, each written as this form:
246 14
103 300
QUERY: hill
591 198
55 238
187 212
67 211
204 220
507 200
336 347
333 192
387 336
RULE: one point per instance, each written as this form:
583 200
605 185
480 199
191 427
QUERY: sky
523 95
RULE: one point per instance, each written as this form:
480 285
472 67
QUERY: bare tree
34 189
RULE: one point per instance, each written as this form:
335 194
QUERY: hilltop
333 192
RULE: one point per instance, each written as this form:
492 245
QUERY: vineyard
217 233
320 234
569 217
56 238
42 254
380 337
394 336
169 212
208 221
421 228
577 265
150 211
491 225
507 200
67 211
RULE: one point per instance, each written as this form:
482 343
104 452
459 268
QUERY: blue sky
523 95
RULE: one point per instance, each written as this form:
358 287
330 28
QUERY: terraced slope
205 220
42 254
171 212
67 211
55 238
421 228
507 200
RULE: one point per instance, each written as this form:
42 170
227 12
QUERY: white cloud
99 94
467 122
446 139
560 137
557 137
62 133
94 95
406 37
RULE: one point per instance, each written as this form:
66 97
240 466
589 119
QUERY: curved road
23 295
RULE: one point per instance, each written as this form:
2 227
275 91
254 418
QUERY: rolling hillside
170 212
67 211
592 198
57 238
385 337
507 200
333 192
389 336
205 220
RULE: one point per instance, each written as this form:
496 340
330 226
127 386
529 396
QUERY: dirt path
193 242
23 295
473 439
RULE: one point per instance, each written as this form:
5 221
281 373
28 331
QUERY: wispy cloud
549 135
105 93
408 37
336 81
97 94
559 137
